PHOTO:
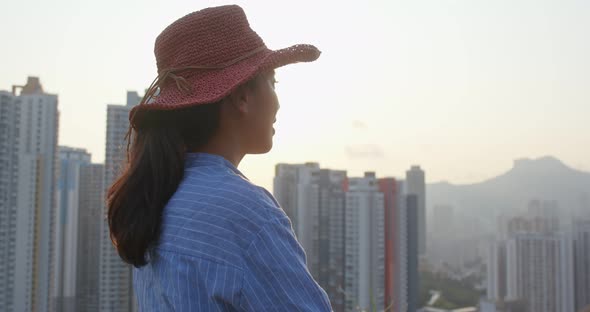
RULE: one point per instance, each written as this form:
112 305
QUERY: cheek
264 111
261 120
269 104
273 104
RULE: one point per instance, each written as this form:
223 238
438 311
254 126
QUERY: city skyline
484 83
133 97
360 234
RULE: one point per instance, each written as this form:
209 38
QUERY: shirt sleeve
277 278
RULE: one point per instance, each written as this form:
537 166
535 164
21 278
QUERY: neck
225 146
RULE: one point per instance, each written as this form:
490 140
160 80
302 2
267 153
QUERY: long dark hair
155 166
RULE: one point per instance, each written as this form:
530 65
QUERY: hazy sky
460 87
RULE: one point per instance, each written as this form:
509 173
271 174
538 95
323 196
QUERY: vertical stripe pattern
225 245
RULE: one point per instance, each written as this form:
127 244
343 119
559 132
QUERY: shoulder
216 217
233 191
226 200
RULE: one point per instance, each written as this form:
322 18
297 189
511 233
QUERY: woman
200 235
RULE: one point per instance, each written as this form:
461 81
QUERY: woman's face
262 110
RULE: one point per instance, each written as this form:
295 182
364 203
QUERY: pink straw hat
205 55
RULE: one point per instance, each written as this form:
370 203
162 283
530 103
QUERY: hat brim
210 86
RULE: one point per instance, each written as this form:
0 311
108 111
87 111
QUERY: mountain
545 178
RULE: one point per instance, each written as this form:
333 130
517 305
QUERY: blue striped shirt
225 245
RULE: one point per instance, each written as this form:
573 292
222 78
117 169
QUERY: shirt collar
194 160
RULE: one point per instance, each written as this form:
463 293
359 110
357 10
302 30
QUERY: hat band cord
181 82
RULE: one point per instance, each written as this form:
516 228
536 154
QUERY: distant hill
545 178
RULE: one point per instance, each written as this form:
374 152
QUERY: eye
274 82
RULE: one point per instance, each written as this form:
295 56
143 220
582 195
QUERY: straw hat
205 55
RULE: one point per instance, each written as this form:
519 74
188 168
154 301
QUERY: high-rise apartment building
91 203
533 263
313 198
412 211
115 285
581 234
329 242
401 282
65 255
28 156
416 186
296 188
496 271
364 244
396 254
388 186
539 270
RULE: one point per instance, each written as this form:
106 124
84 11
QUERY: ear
241 100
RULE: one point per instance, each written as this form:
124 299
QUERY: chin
263 149
268 148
